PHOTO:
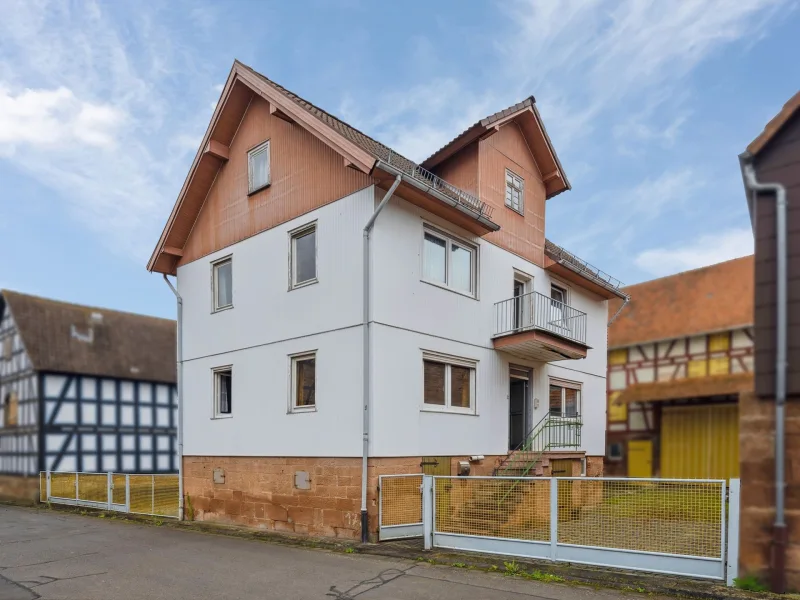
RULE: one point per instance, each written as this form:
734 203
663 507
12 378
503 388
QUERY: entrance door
518 406
640 458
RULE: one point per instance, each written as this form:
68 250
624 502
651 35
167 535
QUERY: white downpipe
180 395
367 362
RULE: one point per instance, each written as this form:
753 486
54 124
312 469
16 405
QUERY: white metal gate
399 506
666 526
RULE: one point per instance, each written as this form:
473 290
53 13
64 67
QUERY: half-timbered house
83 389
679 356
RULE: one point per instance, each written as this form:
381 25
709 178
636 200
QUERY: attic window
514 189
258 167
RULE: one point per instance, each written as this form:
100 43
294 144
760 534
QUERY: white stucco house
347 312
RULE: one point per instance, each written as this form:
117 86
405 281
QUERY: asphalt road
55 555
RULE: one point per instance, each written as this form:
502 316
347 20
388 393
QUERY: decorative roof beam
217 150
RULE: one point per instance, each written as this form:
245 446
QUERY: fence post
153 495
724 527
109 488
49 489
127 493
77 485
733 531
553 518
427 511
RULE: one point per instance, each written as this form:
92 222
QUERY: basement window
448 383
258 171
223 392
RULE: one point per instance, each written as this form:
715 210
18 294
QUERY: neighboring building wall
96 424
19 488
757 451
305 174
664 361
19 406
778 162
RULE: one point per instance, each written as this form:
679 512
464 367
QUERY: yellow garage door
700 442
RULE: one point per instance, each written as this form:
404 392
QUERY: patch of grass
512 568
420 559
349 550
459 565
430 561
541 576
157 522
189 508
493 568
751 583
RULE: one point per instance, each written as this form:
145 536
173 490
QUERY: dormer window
515 186
258 167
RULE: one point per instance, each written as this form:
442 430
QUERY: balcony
536 327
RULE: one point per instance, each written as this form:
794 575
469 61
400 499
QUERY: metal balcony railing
537 311
437 183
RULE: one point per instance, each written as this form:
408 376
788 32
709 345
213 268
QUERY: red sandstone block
283 526
216 505
344 533
275 513
346 504
303 529
233 508
333 518
301 515
259 511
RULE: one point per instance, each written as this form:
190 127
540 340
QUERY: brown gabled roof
714 298
527 114
775 125
358 149
123 345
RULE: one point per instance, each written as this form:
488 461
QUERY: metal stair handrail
550 432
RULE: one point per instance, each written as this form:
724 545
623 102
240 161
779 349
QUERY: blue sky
103 105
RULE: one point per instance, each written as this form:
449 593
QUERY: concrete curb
570 574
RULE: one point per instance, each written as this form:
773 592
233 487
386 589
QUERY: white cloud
706 250
87 96
55 118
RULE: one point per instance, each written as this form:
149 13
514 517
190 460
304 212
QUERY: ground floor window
448 383
565 398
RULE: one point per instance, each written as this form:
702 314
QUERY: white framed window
515 187
258 172
448 383
303 256
222 283
449 262
304 382
223 391
565 398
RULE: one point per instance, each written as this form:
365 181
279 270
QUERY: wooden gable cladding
480 168
522 235
305 174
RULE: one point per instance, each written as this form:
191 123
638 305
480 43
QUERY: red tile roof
713 298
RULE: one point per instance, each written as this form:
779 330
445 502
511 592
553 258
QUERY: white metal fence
156 495
399 506
681 527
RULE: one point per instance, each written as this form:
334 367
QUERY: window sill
520 212
304 284
221 417
222 309
449 289
448 411
259 189
298 410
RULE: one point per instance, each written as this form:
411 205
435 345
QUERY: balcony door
522 301
558 304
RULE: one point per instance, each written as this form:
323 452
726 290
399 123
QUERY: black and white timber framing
75 422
